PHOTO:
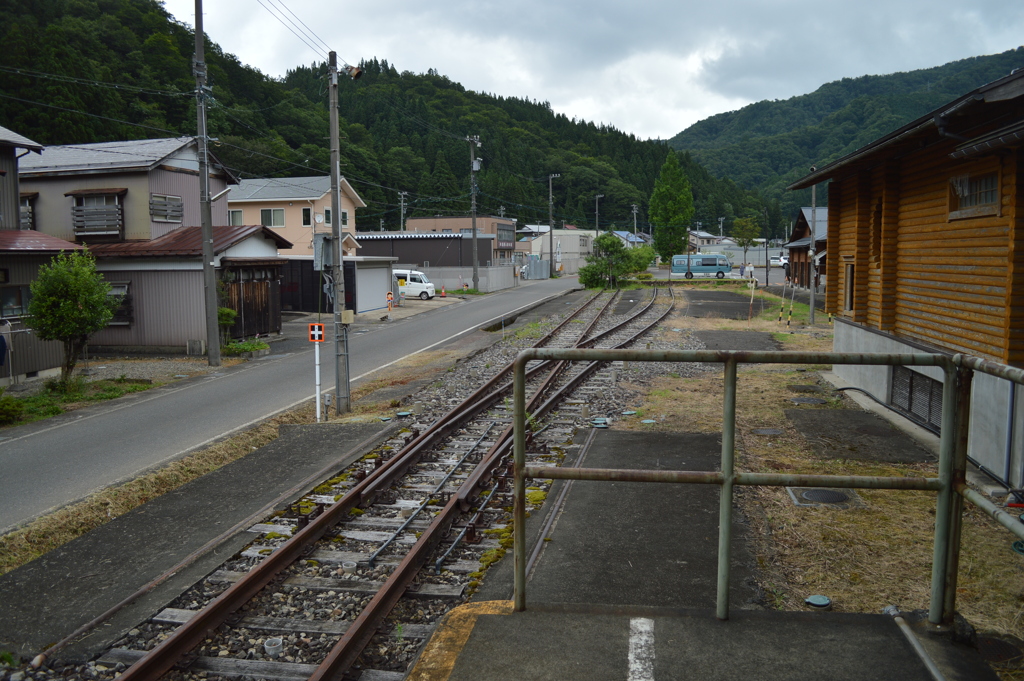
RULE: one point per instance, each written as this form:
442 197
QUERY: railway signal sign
316 333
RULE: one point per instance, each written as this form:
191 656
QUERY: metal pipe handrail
951 454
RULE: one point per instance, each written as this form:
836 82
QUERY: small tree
745 231
610 260
70 302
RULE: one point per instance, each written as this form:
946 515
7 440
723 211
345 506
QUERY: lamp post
597 212
810 265
551 224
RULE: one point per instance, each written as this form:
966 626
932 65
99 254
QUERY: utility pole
597 213
501 211
721 222
634 218
767 236
342 392
814 220
401 200
474 165
551 223
206 210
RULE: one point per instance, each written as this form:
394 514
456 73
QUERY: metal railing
950 485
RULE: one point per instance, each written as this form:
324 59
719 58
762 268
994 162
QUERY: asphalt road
49 464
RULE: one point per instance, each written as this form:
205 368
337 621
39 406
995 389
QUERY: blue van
704 264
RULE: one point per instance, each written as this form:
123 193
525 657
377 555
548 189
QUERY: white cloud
650 67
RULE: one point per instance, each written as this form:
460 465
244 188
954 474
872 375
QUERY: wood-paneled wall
918 273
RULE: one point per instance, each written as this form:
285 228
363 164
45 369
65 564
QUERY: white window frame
168 198
234 213
307 217
327 216
274 213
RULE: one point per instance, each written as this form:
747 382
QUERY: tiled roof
15 140
139 154
28 240
186 242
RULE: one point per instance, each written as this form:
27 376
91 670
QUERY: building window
307 217
123 315
327 216
97 213
974 195
14 300
344 218
272 217
28 213
235 218
166 208
848 288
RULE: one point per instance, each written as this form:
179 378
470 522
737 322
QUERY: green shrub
236 348
645 276
10 409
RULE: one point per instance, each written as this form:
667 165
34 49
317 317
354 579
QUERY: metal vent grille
917 396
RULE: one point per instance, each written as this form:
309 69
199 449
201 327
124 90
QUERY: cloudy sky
649 67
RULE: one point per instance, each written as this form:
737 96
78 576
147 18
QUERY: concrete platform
49 598
624 588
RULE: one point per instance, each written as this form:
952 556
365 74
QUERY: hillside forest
80 71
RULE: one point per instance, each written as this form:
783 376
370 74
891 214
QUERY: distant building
503 229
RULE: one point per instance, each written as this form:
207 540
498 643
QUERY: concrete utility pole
814 220
205 207
401 200
597 213
501 211
474 165
551 223
721 222
634 218
342 392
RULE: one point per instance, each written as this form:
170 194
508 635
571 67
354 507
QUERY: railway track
347 582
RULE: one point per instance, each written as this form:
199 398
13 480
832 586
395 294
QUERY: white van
414 284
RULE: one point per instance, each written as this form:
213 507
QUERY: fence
950 485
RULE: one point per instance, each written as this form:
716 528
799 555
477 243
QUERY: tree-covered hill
79 71
767 145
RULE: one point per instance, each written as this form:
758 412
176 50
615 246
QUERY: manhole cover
805 388
808 400
767 431
824 496
994 649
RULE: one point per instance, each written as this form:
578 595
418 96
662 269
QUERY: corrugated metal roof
28 240
138 154
186 242
15 140
290 189
820 215
628 236
412 235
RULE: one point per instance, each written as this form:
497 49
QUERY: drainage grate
808 400
994 649
824 496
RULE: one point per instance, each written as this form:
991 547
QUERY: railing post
725 500
963 421
519 484
944 502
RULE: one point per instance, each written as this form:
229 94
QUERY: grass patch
51 402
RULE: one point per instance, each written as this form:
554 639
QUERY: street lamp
597 213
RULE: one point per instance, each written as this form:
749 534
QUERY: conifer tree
671 209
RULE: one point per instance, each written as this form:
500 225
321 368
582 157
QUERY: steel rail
347 650
187 636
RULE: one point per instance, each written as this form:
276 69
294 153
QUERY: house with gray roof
294 207
133 190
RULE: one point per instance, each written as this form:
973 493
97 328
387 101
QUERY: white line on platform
641 649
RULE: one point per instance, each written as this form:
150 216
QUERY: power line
283 21
281 3
172 133
98 83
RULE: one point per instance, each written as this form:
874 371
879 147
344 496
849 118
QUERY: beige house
294 207
572 246
133 190
503 229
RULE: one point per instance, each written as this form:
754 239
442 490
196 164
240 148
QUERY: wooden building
799 247
926 252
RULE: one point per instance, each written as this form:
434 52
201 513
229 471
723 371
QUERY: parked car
778 260
414 284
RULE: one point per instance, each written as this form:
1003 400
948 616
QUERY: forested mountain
767 145
79 71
